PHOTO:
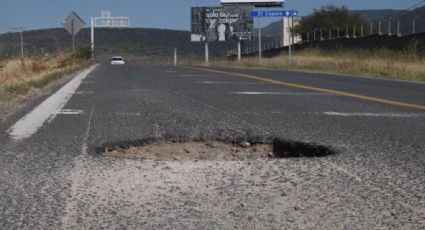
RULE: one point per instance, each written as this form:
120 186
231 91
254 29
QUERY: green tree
329 18
82 52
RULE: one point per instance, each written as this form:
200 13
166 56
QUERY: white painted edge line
373 114
281 93
47 110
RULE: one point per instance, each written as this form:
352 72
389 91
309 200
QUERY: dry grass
18 77
381 63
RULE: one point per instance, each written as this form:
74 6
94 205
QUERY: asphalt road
52 178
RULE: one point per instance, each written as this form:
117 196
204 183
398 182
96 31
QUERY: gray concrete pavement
53 178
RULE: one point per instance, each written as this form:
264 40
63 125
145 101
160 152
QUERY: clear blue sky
171 14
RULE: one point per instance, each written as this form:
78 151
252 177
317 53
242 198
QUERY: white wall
287 22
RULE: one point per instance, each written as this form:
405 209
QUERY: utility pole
21 31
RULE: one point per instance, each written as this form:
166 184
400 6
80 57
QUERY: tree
329 18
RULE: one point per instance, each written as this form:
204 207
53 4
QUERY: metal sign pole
73 35
283 32
259 41
175 56
239 51
92 37
290 43
206 53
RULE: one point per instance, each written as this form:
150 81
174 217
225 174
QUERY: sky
167 14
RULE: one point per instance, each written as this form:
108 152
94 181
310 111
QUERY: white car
117 61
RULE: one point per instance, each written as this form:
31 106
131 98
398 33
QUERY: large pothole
215 150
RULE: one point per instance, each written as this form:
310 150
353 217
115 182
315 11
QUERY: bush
82 53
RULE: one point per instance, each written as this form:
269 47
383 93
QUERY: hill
130 41
275 29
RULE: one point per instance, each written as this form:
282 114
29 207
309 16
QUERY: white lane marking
280 93
195 75
171 71
70 112
189 75
342 114
231 82
127 114
46 111
84 92
87 82
84 146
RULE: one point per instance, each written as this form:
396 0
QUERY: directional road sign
275 13
73 24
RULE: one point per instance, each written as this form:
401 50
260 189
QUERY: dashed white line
83 92
70 112
46 111
128 114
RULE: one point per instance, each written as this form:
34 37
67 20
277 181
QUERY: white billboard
254 2
221 23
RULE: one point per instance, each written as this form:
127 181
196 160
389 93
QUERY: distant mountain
275 29
134 41
374 15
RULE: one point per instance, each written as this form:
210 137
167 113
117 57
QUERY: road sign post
239 50
290 43
260 52
73 24
175 57
276 13
206 53
92 37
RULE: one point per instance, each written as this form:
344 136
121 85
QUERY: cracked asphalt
54 179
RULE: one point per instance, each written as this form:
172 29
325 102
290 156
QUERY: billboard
221 24
254 2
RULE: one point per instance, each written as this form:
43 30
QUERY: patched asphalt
56 179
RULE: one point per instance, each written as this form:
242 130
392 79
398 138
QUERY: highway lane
53 179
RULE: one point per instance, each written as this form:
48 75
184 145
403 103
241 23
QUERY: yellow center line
317 89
